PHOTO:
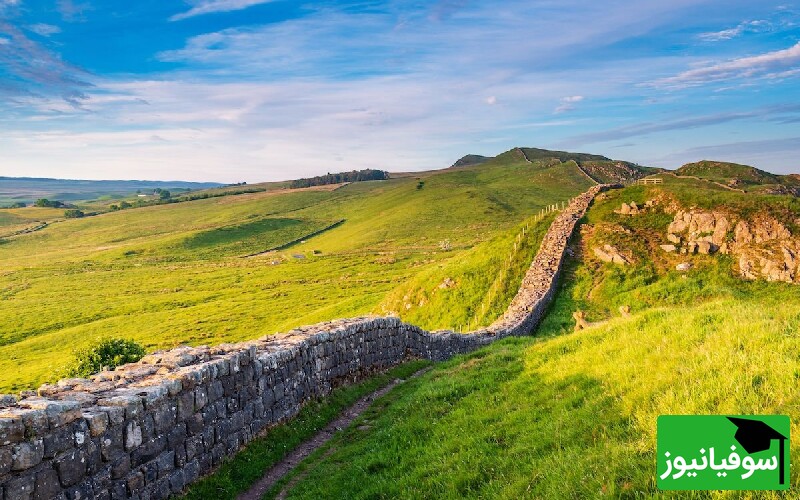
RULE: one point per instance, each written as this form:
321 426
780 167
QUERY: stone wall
148 429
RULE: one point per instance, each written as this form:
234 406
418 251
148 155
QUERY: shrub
73 213
103 354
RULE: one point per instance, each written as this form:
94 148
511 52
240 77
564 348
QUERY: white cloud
491 100
209 6
727 34
776 62
71 11
4 41
568 103
44 29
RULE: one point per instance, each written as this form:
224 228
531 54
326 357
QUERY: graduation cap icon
756 436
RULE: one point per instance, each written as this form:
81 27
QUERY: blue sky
253 90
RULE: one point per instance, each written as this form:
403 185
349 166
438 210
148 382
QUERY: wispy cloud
568 103
72 11
771 113
43 29
201 7
37 71
395 84
779 61
727 34
7 6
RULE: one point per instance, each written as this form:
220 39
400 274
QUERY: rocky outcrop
148 429
610 253
633 208
762 246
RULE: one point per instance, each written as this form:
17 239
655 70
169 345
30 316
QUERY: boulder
610 254
701 222
721 229
669 248
683 266
705 247
674 238
742 234
580 320
602 255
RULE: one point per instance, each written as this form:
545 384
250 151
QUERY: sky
259 90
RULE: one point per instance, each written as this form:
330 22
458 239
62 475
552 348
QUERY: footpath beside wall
147 429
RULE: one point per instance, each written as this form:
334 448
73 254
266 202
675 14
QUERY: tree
164 194
44 202
73 213
105 354
124 204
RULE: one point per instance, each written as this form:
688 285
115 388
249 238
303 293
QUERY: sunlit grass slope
573 415
171 274
569 417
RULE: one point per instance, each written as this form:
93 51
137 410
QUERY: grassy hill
470 160
742 177
172 274
573 415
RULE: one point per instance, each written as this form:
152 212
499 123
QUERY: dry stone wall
148 429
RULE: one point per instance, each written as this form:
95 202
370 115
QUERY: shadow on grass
238 473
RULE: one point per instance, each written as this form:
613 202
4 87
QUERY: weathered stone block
185 405
27 455
112 443
97 421
148 451
166 463
82 491
12 430
36 423
121 467
5 459
133 435
71 467
195 424
135 483
46 485
131 403
20 488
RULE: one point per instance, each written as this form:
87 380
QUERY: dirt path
285 466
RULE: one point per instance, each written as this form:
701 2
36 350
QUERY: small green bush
103 354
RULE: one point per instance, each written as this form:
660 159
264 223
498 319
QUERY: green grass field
175 274
573 415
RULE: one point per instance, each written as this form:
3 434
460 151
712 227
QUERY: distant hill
743 177
470 160
599 168
28 189
564 156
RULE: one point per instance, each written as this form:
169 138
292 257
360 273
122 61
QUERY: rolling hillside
741 177
523 417
177 274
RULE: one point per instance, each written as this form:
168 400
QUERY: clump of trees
354 176
105 355
73 213
45 203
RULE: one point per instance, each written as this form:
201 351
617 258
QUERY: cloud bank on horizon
254 90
